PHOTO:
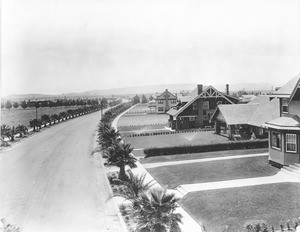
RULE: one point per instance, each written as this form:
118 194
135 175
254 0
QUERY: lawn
273 203
142 119
174 175
167 158
139 108
14 117
141 129
190 138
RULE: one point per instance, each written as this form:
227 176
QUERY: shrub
232 145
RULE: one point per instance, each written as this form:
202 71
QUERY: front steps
292 170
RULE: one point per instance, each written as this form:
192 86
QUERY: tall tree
136 99
104 103
15 105
24 104
144 99
8 105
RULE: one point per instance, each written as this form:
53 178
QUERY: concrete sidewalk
168 163
280 177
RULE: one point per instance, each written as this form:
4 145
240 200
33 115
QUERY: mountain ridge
148 89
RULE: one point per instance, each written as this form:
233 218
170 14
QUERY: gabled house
165 101
245 119
195 110
284 132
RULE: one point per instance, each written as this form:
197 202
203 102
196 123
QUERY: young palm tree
45 118
21 129
54 117
134 185
5 131
107 135
33 123
119 154
156 213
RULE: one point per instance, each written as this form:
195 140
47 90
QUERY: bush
232 145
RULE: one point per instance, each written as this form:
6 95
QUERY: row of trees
54 103
36 124
152 208
10 132
46 119
136 99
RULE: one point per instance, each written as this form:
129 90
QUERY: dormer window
160 101
285 104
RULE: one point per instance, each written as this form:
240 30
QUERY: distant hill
128 91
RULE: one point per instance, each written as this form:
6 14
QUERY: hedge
231 145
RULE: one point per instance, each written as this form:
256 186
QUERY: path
168 163
50 182
280 177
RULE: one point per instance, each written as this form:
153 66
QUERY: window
192 118
291 142
160 109
195 106
276 140
160 102
285 103
173 101
206 105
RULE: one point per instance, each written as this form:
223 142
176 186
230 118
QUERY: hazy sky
59 46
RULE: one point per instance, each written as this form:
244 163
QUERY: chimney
227 89
200 89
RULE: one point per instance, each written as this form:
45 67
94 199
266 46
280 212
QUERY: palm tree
45 118
54 117
134 185
157 212
119 154
34 123
21 129
63 115
5 131
107 135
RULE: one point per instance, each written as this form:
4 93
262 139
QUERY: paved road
50 182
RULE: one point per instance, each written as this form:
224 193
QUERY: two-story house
165 101
198 109
284 132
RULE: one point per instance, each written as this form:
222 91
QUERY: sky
61 46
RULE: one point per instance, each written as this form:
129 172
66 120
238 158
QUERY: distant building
247 98
284 131
165 102
152 107
195 109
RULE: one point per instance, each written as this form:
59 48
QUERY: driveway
50 182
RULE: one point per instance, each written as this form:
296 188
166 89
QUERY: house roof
236 114
204 94
266 111
163 96
288 88
172 112
288 122
255 113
